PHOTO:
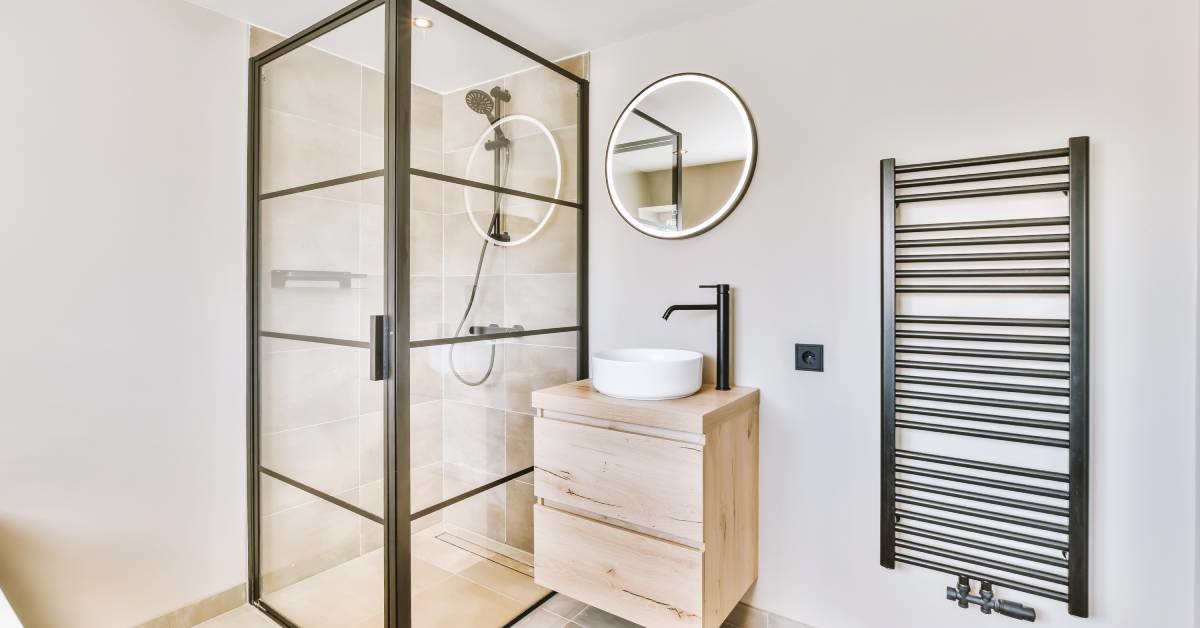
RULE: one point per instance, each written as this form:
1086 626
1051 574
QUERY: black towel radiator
1023 528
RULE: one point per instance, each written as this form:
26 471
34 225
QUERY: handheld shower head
480 102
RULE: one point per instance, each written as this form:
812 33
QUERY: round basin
648 374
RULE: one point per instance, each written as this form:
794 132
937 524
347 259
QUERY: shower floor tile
455 583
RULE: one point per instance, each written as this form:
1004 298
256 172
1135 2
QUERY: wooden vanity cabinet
647 509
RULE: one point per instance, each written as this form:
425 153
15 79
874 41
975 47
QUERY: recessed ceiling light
422 22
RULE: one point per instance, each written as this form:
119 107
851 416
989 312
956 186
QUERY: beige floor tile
483 594
458 602
505 581
592 617
241 617
441 554
342 596
564 606
426 575
543 619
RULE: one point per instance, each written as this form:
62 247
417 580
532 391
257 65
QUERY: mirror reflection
680 156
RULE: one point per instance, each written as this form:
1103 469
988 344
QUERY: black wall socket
810 357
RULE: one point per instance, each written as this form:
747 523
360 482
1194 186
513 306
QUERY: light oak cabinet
647 509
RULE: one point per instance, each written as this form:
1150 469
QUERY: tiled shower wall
322 419
488 429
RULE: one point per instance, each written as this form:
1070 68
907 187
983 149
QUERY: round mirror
680 156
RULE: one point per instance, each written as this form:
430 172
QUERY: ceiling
450 57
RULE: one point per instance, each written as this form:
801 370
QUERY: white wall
836 86
122 213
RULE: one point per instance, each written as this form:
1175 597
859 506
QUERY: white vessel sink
648 374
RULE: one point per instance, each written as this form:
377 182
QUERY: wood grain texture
730 514
647 481
662 527
646 580
694 414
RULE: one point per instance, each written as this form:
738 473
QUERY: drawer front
651 482
646 580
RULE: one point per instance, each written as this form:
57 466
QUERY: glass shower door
318 468
434 179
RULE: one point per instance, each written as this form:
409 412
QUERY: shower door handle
380 365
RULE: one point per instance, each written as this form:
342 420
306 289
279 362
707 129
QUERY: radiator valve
987 600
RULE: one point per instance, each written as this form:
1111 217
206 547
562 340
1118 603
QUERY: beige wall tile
425 444
531 367
487 309
374 102
426 367
518 442
425 307
370 534
521 217
426 119
460 125
325 311
541 301
306 387
579 65
370 394
370 443
452 195
305 540
426 486
424 159
261 40
565 340
370 239
316 85
425 194
426 523
303 231
323 456
482 514
298 151
546 95
473 436
373 154
371 301
425 248
551 251
471 360
426 429
518 527
463 245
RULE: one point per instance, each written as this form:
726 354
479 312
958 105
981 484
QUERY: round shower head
480 102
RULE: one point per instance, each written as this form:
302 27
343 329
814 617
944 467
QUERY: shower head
480 102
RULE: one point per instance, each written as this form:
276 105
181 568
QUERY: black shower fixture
483 103
987 600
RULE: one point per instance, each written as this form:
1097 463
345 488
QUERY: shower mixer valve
987 600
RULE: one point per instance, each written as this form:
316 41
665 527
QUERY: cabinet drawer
646 580
651 482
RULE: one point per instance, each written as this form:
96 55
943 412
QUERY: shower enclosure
417 266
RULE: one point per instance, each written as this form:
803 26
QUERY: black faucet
722 308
